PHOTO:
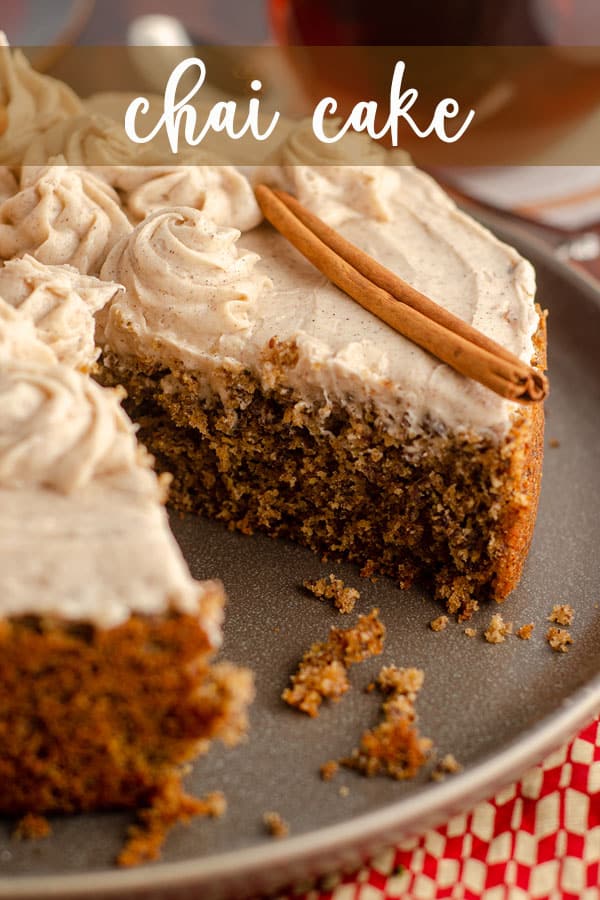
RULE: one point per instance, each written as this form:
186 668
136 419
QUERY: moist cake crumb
470 632
525 631
146 837
332 588
329 769
448 765
344 790
554 443
275 824
562 614
323 671
439 624
32 827
559 638
394 747
497 630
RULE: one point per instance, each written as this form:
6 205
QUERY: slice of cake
281 405
107 681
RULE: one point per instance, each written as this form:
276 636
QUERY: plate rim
364 833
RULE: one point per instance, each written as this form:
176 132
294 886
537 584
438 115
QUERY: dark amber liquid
472 50
406 22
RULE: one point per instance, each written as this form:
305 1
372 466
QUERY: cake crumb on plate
394 747
497 630
323 671
275 824
32 827
562 614
439 624
447 765
329 769
525 631
559 638
146 837
332 588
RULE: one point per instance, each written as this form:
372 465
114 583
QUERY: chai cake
106 670
108 683
280 405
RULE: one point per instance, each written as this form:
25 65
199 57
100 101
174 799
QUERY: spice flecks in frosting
62 215
187 285
220 192
60 430
61 303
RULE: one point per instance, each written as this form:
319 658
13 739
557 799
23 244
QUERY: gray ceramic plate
497 708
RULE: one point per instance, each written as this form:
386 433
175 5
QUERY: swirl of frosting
62 215
8 184
349 174
33 103
221 192
61 303
84 140
185 279
19 340
60 430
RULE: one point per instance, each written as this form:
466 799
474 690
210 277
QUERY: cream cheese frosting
62 215
96 546
220 192
60 430
19 339
8 184
187 286
61 303
309 168
98 556
84 140
33 103
345 354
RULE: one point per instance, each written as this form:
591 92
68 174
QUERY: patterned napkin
538 839
565 197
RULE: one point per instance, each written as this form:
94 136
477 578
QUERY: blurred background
437 22
529 108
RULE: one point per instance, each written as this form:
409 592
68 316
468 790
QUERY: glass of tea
530 68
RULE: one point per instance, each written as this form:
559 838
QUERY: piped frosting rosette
60 430
349 177
62 215
93 141
185 281
221 192
31 102
61 303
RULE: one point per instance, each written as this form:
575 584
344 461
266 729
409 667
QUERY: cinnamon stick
399 305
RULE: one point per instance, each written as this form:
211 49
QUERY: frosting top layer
97 546
345 354
61 303
99 555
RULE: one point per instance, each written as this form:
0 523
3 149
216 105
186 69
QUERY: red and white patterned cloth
539 839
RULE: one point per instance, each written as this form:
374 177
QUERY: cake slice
279 404
108 685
